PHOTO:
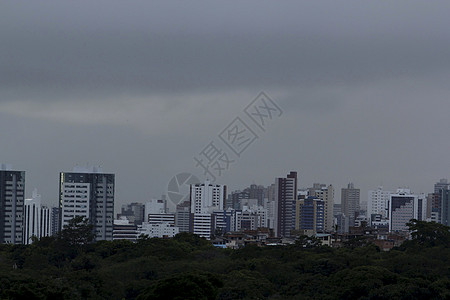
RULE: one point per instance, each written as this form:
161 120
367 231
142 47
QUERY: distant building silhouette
350 198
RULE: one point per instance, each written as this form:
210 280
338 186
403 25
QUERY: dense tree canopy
71 266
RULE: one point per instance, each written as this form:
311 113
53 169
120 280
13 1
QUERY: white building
161 218
262 214
32 217
378 202
159 230
246 219
269 206
154 207
88 192
203 225
404 206
124 230
37 221
205 199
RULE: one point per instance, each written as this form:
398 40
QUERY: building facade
378 202
285 198
134 212
205 199
12 197
403 206
89 193
350 201
325 193
310 216
123 229
37 219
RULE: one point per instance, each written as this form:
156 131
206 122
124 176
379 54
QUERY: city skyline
142 89
301 187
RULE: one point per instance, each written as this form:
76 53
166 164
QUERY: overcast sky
141 87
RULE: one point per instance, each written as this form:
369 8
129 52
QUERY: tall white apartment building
378 202
37 219
205 199
12 191
89 193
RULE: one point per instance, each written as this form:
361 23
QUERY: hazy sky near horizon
141 87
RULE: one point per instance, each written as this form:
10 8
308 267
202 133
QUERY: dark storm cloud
79 51
141 86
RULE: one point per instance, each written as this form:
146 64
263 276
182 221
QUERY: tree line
72 266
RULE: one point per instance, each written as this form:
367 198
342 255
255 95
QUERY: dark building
437 206
134 212
285 201
254 191
236 198
56 220
311 215
445 206
183 217
12 191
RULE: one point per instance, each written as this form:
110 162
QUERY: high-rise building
88 192
325 193
253 192
442 184
12 191
55 220
378 202
206 198
32 218
285 198
310 215
46 222
36 219
445 206
437 206
350 202
337 209
183 217
236 197
404 206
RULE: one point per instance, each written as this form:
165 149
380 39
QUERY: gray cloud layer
142 87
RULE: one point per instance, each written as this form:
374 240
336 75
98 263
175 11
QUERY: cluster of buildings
83 192
279 211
